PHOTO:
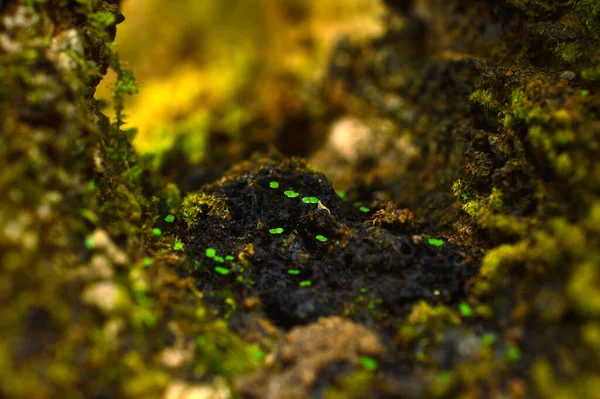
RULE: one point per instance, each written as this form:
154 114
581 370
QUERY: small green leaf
584 93
305 283
277 230
341 194
465 309
488 339
178 246
436 242
211 252
310 200
321 238
291 194
293 272
369 363
274 184
229 257
513 354
365 209
258 354
89 242
147 261
222 270
169 218
218 259
156 231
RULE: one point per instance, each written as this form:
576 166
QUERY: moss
199 203
592 74
484 98
568 52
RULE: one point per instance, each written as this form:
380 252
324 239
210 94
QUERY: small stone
569 75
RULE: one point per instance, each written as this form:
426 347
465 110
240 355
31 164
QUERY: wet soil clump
275 230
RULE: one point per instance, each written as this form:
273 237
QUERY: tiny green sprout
291 194
218 259
278 230
169 218
341 194
513 354
584 93
488 339
363 290
89 242
274 184
310 200
211 252
321 238
258 354
465 309
91 185
369 363
178 246
147 261
222 270
156 231
294 272
229 257
436 242
364 209
305 283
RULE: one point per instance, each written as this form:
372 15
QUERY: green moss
484 98
200 203
568 52
592 74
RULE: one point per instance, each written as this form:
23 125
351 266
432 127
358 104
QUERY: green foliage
195 204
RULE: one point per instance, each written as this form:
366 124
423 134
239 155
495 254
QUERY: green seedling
305 283
513 354
369 363
178 246
364 209
89 242
291 193
156 231
293 272
147 261
274 184
218 259
310 200
341 194
278 230
488 339
465 309
229 258
169 218
211 252
321 238
223 271
436 242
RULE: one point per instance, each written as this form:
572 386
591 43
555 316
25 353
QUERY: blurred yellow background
194 58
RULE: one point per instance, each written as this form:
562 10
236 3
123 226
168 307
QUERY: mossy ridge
513 119
78 219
